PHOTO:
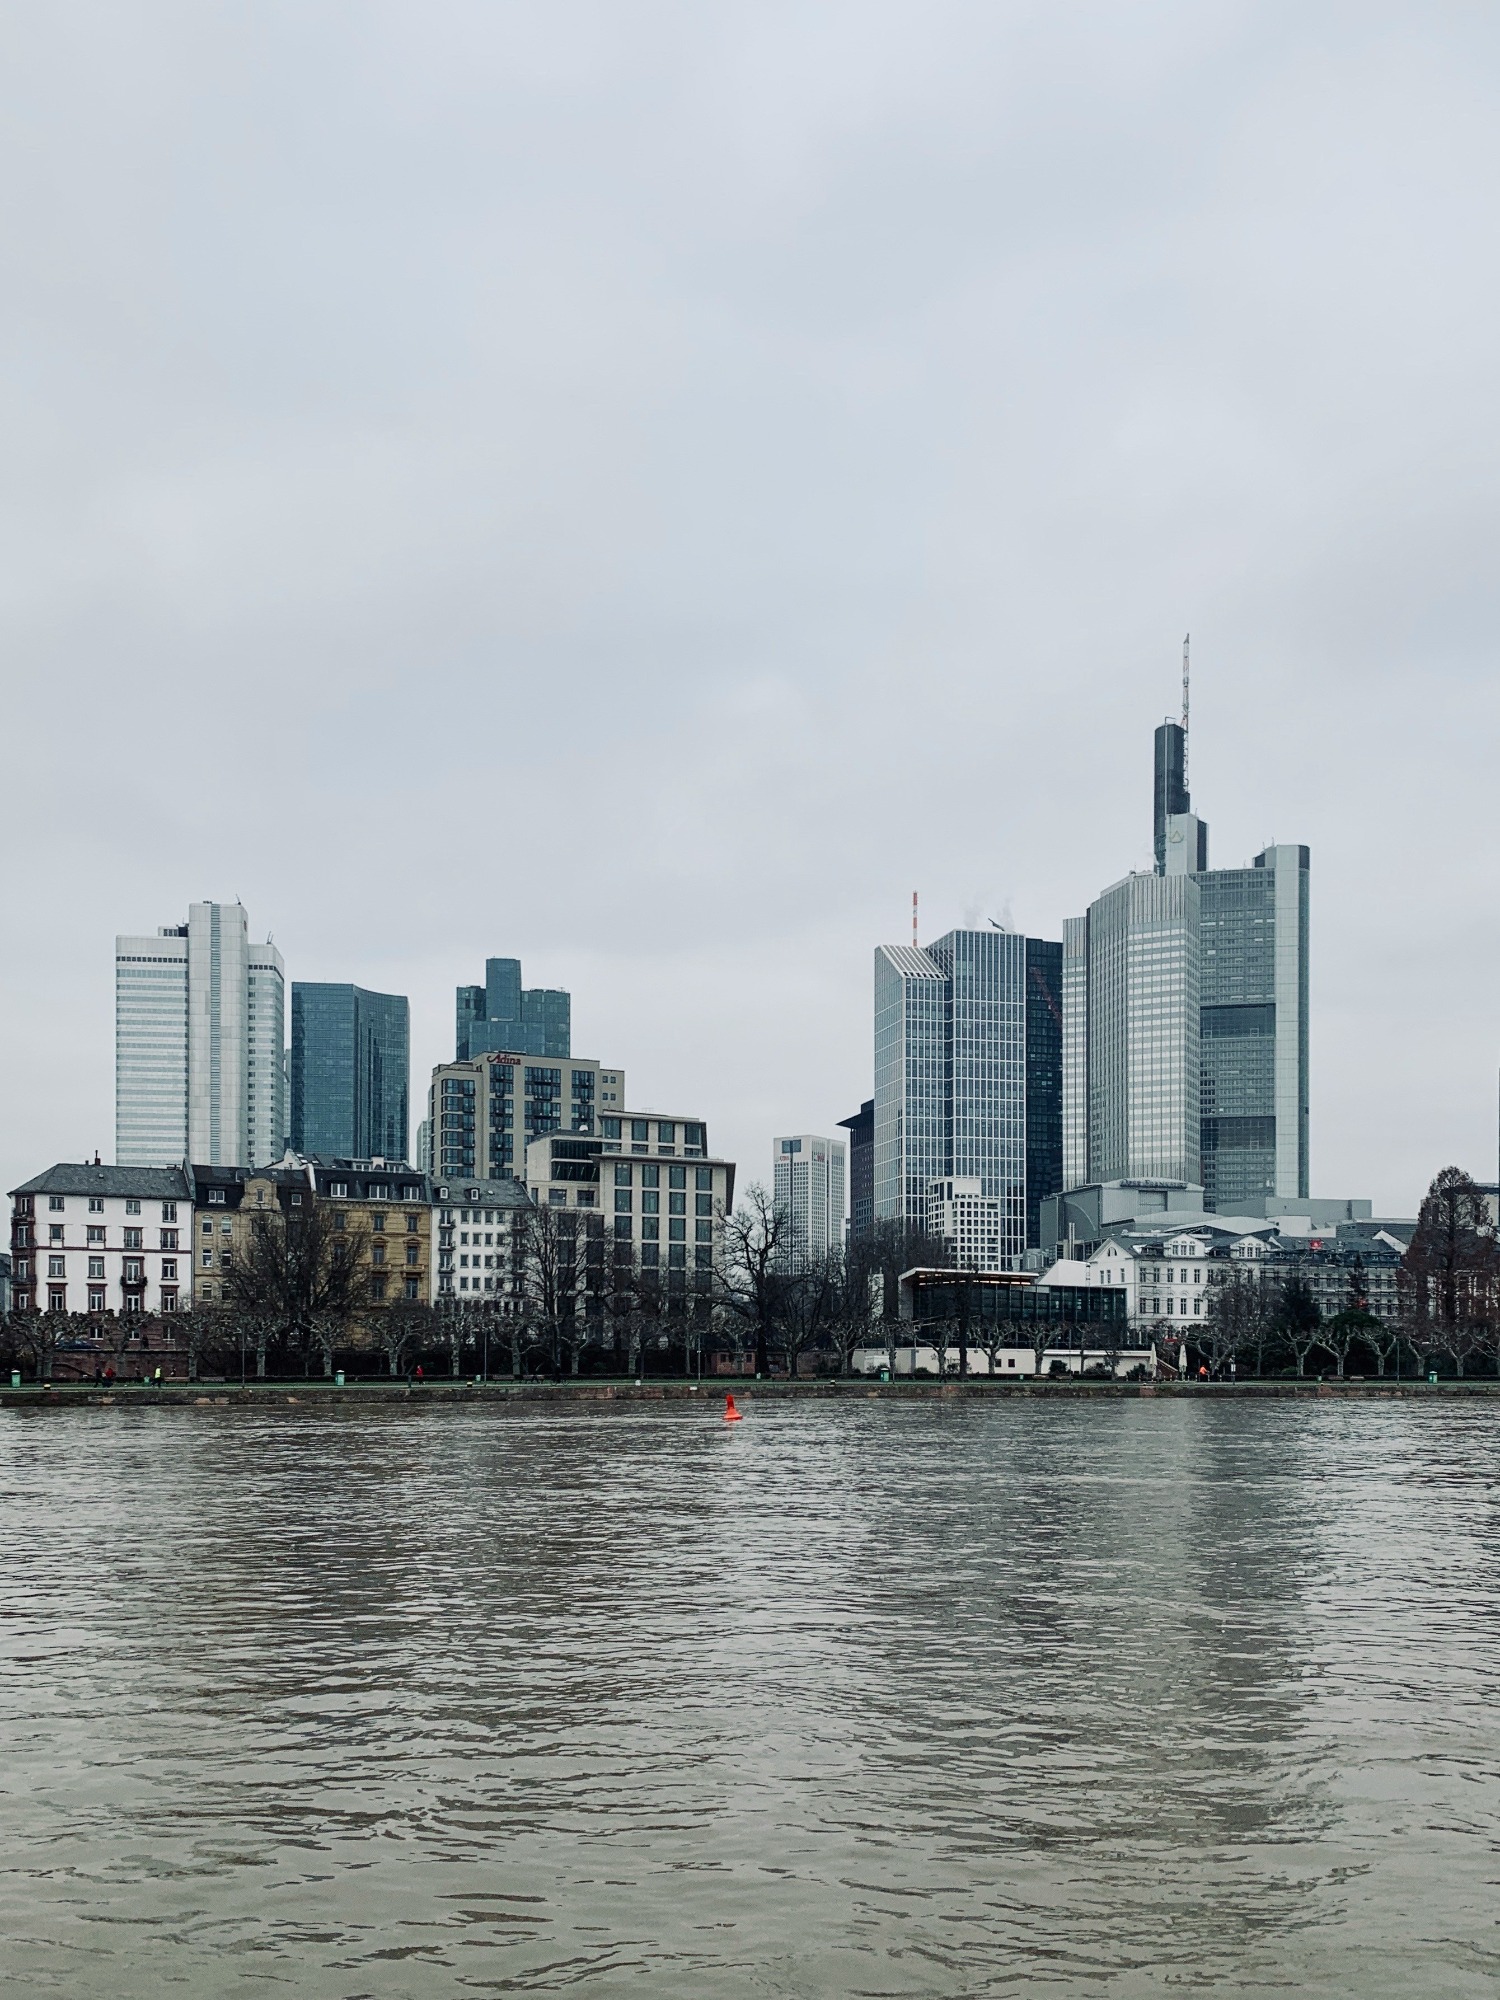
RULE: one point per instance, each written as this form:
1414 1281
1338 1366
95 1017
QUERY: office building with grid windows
200 1044
807 1185
660 1197
968 1077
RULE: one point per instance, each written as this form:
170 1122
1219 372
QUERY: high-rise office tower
1131 973
200 1044
861 1130
808 1185
503 1016
1255 1029
968 1076
350 1068
1186 1016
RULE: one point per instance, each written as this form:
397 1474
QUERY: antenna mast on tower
914 919
1186 637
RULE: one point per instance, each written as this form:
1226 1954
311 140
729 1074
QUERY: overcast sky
642 488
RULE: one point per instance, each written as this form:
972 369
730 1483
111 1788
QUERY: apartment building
483 1112
97 1239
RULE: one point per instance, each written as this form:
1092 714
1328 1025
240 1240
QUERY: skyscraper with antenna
1185 1044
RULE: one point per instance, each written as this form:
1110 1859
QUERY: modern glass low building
989 1298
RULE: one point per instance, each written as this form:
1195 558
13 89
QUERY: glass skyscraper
968 1075
502 1016
1186 1016
350 1072
1255 1052
1132 1031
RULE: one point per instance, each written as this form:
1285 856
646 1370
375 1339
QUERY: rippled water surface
1109 1698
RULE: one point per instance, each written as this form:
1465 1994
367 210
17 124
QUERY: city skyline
871 413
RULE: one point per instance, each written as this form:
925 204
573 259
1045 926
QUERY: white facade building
102 1239
200 1044
808 1179
970 1222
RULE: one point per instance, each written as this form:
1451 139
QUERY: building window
677 1256
377 1253
169 1269
413 1253
134 1273
702 1258
676 1228
650 1228
55 1203
96 1298
169 1239
57 1267
413 1224
622 1201
95 1234
216 1197
54 1232
623 1173
169 1302
413 1288
677 1204
650 1256
640 1133
703 1204
132 1206
205 1292
704 1231
557 1197
377 1287
377 1222
96 1204
338 1189
169 1211
677 1177
96 1267
703 1178
666 1132
132 1239
57 1299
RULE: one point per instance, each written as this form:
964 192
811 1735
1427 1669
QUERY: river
1112 1698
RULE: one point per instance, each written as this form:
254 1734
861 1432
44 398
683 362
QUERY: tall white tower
200 1062
808 1184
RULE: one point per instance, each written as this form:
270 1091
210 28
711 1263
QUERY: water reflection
1117 1698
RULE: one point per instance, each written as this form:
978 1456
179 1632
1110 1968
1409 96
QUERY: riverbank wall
447 1394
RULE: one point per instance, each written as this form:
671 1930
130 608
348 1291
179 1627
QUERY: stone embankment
445 1393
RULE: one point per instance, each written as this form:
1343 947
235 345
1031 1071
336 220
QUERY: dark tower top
1171 792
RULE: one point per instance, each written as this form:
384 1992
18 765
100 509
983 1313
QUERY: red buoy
731 1414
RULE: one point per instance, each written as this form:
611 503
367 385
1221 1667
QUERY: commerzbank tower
1185 1002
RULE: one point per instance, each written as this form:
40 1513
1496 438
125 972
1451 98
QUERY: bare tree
809 1307
1296 1318
39 1336
300 1280
1450 1275
1237 1322
751 1279
402 1330
559 1276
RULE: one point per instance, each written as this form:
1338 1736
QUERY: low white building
95 1239
1009 1361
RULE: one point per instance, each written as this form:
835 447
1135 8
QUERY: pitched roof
151 1183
